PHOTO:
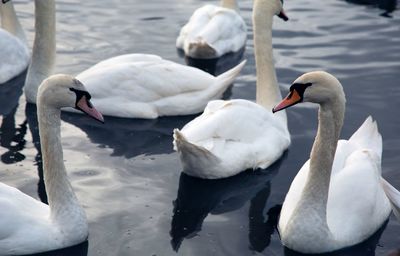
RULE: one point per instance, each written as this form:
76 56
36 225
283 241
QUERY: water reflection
387 5
367 248
130 137
199 197
77 250
215 66
11 136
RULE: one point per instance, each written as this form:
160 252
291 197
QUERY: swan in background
213 31
338 198
231 136
130 85
14 52
27 225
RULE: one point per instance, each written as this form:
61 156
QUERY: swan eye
300 88
80 94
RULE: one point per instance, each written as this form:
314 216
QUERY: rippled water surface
128 177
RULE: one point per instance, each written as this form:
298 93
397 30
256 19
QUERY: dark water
126 174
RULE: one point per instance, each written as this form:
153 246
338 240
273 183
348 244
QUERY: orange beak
290 100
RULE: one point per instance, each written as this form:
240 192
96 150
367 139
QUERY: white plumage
338 198
211 32
14 52
147 86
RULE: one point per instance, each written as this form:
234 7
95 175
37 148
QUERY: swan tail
193 156
393 195
368 136
226 79
201 49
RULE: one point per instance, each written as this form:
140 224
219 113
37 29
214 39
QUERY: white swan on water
213 31
338 198
26 225
131 85
14 52
234 135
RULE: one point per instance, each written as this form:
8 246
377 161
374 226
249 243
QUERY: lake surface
126 174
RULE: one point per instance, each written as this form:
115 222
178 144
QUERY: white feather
211 32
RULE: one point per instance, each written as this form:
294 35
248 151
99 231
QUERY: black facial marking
300 89
5 1
282 1
79 95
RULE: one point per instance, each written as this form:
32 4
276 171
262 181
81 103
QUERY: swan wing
242 134
14 56
20 213
154 87
221 28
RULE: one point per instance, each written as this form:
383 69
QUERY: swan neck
268 93
230 4
312 206
62 201
10 22
44 48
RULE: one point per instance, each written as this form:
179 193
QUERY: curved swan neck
268 93
231 4
44 48
312 206
9 21
64 206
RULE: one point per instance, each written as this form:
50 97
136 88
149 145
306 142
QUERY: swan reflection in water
130 137
11 136
77 250
199 197
215 66
366 248
387 5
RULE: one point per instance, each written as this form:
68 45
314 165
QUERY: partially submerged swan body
213 31
26 225
147 86
235 135
14 52
338 198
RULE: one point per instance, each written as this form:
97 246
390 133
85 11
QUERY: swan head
60 91
272 7
317 87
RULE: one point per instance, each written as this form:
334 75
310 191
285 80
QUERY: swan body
147 86
213 31
338 198
235 135
14 52
231 136
26 225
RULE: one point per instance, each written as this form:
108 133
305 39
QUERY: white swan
213 31
131 85
231 136
14 52
27 225
338 198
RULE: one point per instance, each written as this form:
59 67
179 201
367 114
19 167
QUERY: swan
28 226
234 135
338 198
130 85
213 31
14 52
